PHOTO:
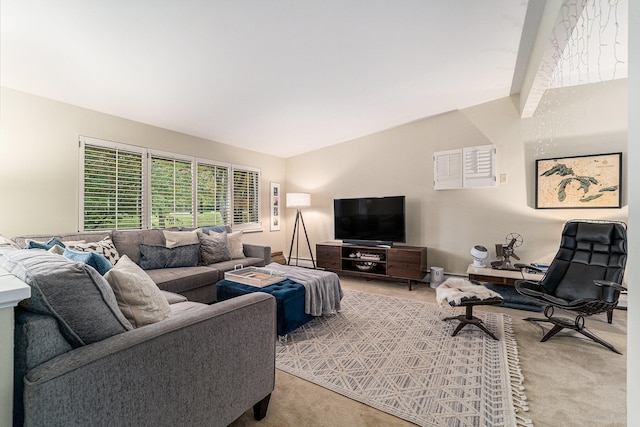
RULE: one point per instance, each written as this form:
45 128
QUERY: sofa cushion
180 238
213 248
104 247
128 241
8 244
183 279
139 298
173 298
232 264
152 257
94 259
77 296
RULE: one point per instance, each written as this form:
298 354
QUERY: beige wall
633 270
39 166
582 120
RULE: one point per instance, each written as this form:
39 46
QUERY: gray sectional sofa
79 361
197 283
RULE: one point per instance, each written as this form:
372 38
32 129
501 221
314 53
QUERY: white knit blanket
322 288
454 289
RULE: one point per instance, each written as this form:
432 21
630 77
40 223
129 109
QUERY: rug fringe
516 377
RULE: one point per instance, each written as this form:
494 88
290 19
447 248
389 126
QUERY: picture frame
274 197
579 182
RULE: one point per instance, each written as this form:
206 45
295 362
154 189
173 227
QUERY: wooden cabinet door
405 264
329 257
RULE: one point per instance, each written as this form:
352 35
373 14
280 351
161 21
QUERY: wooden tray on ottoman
254 276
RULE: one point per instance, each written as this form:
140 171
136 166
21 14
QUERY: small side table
468 317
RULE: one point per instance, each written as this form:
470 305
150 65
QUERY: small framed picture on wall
274 196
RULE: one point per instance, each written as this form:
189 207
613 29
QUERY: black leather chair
584 278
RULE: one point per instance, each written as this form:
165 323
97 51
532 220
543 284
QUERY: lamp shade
298 200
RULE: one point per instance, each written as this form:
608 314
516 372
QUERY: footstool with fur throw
460 292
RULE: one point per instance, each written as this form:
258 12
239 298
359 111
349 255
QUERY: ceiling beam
558 21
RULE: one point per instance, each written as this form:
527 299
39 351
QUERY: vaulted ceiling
282 77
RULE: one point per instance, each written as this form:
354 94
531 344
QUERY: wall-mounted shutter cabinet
469 167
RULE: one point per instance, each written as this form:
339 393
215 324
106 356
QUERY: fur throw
454 289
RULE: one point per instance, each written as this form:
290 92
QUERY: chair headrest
595 233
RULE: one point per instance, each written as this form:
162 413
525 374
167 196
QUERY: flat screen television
370 221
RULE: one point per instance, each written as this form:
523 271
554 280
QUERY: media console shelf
398 262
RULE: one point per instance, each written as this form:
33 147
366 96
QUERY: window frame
206 162
247 226
164 155
147 157
83 141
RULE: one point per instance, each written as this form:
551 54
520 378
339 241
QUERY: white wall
582 120
633 270
39 167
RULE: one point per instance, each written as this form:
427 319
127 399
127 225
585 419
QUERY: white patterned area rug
398 356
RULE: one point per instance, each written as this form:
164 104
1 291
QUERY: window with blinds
171 192
112 186
246 201
128 187
212 200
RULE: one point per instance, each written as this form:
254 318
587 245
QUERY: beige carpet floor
569 381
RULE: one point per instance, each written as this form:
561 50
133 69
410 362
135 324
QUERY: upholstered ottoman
289 299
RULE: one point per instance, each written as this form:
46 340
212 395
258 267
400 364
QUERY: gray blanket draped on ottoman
322 288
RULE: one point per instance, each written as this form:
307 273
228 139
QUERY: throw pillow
139 298
235 245
8 243
33 244
105 247
180 238
77 296
56 249
92 259
216 229
152 257
213 248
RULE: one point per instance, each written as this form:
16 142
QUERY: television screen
370 219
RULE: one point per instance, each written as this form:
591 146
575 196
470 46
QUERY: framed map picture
579 182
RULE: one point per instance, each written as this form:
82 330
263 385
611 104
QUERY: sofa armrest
204 367
256 250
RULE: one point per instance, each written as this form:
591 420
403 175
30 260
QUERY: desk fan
479 253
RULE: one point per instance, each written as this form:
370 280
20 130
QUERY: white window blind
469 167
129 187
171 192
479 166
447 169
111 185
212 200
246 192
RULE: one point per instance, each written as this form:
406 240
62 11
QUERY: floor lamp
299 201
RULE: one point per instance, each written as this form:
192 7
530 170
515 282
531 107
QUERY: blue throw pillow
93 259
216 228
46 246
152 257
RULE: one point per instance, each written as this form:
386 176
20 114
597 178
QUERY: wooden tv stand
399 262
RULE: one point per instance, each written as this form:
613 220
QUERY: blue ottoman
289 301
